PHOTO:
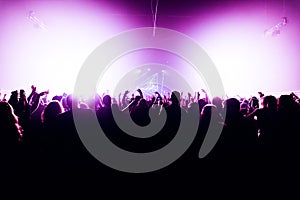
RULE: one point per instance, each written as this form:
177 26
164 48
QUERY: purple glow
145 63
232 33
50 59
248 61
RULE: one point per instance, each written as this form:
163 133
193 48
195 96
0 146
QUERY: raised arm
206 96
140 92
33 91
36 101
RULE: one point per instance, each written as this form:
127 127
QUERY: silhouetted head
254 102
107 101
207 110
217 101
71 100
22 93
14 93
270 102
9 128
285 102
7 116
209 113
13 99
51 111
232 106
175 97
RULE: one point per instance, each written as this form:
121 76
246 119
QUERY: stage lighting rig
37 22
275 30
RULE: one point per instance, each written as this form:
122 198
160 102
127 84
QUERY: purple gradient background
230 31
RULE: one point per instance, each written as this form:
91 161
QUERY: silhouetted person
209 118
174 115
33 130
140 113
23 110
266 123
218 102
106 119
288 136
50 113
201 103
10 138
13 100
48 138
69 154
239 138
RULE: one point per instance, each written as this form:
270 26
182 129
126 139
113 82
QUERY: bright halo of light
52 57
248 61
143 64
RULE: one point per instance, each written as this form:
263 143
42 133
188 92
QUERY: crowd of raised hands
39 130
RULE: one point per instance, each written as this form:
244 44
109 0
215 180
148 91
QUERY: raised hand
261 94
140 92
33 88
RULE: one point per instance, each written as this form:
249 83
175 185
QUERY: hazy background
231 32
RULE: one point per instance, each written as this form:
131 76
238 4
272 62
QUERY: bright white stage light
51 59
248 61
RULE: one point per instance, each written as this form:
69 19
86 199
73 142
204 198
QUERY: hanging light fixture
275 30
38 23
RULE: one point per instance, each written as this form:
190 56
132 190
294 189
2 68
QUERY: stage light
47 44
38 23
275 30
247 59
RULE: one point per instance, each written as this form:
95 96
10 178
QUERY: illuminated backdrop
46 42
